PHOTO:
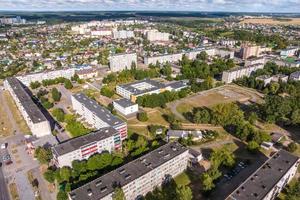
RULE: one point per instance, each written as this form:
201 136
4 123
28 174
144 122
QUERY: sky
154 5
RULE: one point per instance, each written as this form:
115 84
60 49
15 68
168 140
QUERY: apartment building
80 148
292 51
35 119
229 43
87 73
28 78
253 61
123 34
122 61
163 58
154 35
268 180
125 107
239 72
249 51
139 176
96 115
101 32
276 78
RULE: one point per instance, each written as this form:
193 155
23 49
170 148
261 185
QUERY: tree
252 118
35 84
252 146
142 116
106 91
65 173
68 84
56 95
295 116
202 116
62 195
207 182
118 194
49 175
99 161
202 56
59 114
43 155
58 64
184 193
292 147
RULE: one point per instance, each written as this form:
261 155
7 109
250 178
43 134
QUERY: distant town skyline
289 6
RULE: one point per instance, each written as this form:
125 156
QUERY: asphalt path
3 187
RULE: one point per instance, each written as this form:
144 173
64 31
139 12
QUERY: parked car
3 146
7 159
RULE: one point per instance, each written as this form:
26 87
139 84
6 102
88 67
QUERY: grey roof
124 102
259 184
295 74
177 84
101 112
155 86
103 185
183 133
33 111
78 142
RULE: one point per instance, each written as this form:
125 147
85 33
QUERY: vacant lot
288 21
5 124
16 113
223 94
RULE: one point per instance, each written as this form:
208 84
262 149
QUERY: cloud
155 5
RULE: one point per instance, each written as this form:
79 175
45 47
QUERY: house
125 107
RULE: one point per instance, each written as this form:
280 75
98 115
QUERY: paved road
3 187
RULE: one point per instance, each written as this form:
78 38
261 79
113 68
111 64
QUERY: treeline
232 118
47 82
160 100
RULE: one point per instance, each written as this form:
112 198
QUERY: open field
16 113
223 94
13 191
5 125
287 21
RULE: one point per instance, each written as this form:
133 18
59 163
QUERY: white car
3 146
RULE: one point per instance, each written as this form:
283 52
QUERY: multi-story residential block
147 86
268 180
122 61
295 76
96 115
229 43
87 73
123 34
80 148
253 61
249 51
163 58
101 32
289 52
154 35
239 72
138 177
125 107
28 78
35 119
276 78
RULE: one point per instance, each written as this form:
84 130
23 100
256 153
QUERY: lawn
182 179
16 113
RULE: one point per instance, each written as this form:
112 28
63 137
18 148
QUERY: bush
106 91
68 85
253 146
142 116
292 147
35 84
59 114
56 95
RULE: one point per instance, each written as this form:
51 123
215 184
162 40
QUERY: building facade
123 34
139 176
28 78
120 62
35 119
233 74
268 180
80 148
125 107
98 116
154 35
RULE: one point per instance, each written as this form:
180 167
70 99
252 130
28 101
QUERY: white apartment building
269 179
123 34
80 148
254 61
229 43
163 58
96 115
154 35
28 78
125 107
35 119
276 78
101 32
139 176
289 52
233 74
122 61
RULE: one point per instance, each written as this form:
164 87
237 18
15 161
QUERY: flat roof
259 184
101 112
78 142
124 102
130 86
104 185
33 111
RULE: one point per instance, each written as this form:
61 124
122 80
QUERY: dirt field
223 94
5 125
290 21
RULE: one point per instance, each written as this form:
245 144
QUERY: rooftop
101 112
33 111
264 178
142 86
104 185
124 102
78 142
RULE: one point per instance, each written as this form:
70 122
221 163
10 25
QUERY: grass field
288 21
16 114
5 124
